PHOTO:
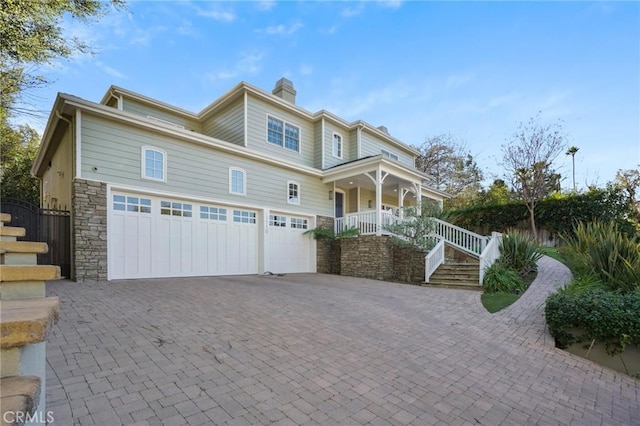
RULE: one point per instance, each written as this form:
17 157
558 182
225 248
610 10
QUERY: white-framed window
213 213
337 145
243 216
175 208
388 154
131 204
283 134
154 164
237 181
277 221
299 223
293 192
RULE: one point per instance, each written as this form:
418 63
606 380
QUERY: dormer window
390 155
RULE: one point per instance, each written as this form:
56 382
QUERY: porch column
418 189
378 201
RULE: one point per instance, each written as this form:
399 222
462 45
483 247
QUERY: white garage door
287 249
158 237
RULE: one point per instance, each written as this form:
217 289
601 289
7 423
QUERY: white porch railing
490 253
461 238
365 221
433 259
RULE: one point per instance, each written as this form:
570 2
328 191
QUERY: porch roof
352 169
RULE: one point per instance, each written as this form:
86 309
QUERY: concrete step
26 321
4 218
29 273
11 233
21 252
454 286
19 395
454 282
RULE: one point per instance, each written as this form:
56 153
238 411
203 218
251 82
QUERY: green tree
528 161
629 182
18 149
498 193
415 233
31 35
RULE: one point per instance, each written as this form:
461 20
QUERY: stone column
89 227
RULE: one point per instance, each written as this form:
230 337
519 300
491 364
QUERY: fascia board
186 135
115 90
52 122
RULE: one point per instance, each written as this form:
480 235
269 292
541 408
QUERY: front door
339 204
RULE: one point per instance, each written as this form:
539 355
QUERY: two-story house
158 191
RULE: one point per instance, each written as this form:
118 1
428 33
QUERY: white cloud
218 14
266 5
283 30
248 64
109 70
306 69
351 11
391 4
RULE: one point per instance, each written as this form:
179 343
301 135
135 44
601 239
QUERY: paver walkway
318 349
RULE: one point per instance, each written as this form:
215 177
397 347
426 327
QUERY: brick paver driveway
317 349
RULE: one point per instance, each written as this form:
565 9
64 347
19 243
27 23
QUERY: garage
151 237
287 248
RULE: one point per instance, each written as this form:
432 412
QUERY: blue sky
471 69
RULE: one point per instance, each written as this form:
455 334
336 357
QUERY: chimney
284 89
383 129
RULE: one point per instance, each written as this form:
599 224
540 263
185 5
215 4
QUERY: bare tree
528 162
629 181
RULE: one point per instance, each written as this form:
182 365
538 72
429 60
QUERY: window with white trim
243 216
154 164
213 213
131 204
277 221
283 134
174 208
299 223
237 181
337 145
293 192
390 155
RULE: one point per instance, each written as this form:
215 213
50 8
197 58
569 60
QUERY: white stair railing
490 254
465 240
433 260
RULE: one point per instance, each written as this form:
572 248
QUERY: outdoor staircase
457 274
26 317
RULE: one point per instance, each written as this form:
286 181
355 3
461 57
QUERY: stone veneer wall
328 251
401 259
89 216
368 256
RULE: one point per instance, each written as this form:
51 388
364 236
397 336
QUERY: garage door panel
287 248
159 237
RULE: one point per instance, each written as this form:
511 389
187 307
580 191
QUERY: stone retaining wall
328 251
89 216
368 256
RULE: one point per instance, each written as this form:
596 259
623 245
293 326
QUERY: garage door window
299 223
242 216
213 213
131 204
172 208
277 221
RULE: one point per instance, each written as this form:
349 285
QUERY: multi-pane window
131 204
277 221
243 216
213 213
390 155
283 134
237 181
293 191
299 223
173 208
337 145
154 164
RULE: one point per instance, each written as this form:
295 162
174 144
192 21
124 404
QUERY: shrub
604 316
519 252
584 283
601 249
500 279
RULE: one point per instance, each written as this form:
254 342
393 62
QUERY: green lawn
493 302
551 252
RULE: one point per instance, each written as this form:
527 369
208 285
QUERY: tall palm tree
572 152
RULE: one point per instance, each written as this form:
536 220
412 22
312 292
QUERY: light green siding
371 145
353 145
145 110
257 132
112 153
317 144
227 125
329 159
